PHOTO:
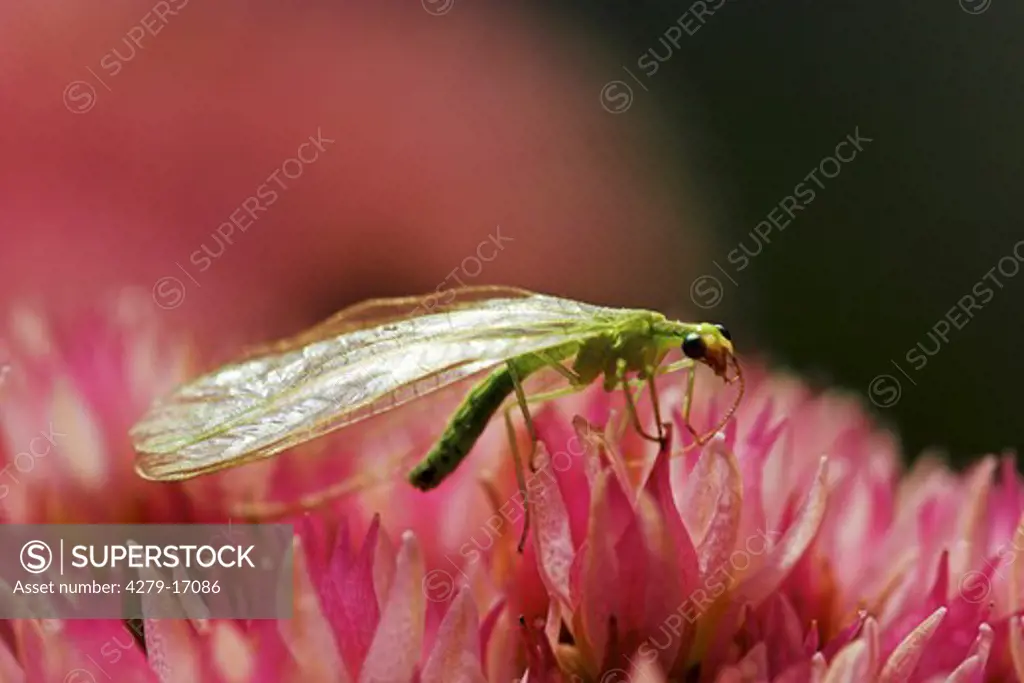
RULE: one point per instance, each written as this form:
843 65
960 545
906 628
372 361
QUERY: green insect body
380 354
469 421
636 344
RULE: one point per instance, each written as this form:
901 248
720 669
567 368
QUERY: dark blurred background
902 232
628 150
906 229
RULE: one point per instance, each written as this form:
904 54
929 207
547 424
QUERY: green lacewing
383 353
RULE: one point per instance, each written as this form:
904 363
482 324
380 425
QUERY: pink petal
10 670
384 565
1016 576
819 668
758 445
940 588
786 634
794 542
664 597
973 518
349 598
598 574
717 491
569 465
812 639
798 673
754 664
91 648
44 654
170 646
274 661
872 639
659 488
703 487
229 655
619 499
542 665
850 665
983 643
396 647
487 628
631 550
845 636
1007 503
503 648
959 629
972 670
456 654
1017 646
902 662
730 674
308 635
678 571
642 672
552 537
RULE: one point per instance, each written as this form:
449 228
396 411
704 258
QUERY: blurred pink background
447 123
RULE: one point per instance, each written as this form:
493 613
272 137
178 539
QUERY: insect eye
725 332
694 346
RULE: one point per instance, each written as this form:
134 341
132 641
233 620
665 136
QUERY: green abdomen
469 421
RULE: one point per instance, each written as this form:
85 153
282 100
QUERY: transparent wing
378 312
347 369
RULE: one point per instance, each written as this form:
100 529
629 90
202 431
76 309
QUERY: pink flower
71 390
790 548
360 614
